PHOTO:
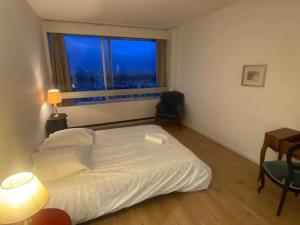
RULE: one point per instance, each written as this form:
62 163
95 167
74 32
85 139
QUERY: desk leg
262 157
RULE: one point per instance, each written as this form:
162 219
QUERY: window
107 63
133 63
84 62
128 63
85 65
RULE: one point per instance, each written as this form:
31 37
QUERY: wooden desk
280 141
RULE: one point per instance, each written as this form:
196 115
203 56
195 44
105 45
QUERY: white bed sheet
127 169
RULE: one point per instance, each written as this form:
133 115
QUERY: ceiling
140 13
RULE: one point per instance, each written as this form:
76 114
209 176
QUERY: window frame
110 76
111 92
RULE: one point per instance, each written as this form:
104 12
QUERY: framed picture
254 75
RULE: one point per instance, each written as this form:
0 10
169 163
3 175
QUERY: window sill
112 96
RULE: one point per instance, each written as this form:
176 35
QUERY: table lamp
21 196
54 98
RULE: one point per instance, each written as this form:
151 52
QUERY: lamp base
55 115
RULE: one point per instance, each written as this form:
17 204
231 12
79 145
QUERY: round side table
51 216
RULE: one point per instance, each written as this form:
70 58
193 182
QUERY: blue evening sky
129 57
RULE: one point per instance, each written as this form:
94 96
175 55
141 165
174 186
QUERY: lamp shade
21 196
54 96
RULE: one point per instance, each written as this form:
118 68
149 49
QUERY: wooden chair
170 108
286 174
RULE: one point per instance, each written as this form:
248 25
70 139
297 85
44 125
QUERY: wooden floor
231 199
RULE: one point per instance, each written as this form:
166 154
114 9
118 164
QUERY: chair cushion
278 170
168 115
165 111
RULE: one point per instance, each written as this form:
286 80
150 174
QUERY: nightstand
56 123
51 216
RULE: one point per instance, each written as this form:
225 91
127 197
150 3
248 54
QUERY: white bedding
127 169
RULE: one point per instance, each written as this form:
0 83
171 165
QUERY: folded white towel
156 138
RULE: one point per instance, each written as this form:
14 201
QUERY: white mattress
127 169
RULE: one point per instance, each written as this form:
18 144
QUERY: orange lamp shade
54 96
21 196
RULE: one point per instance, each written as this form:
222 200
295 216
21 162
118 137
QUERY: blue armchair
170 108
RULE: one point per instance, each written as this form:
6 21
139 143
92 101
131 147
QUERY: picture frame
254 75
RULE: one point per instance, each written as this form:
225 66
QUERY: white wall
212 53
110 112
23 79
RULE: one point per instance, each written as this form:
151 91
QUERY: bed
127 169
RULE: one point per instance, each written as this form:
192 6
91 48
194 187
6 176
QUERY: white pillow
68 137
61 162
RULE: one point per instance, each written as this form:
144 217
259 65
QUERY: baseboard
221 142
